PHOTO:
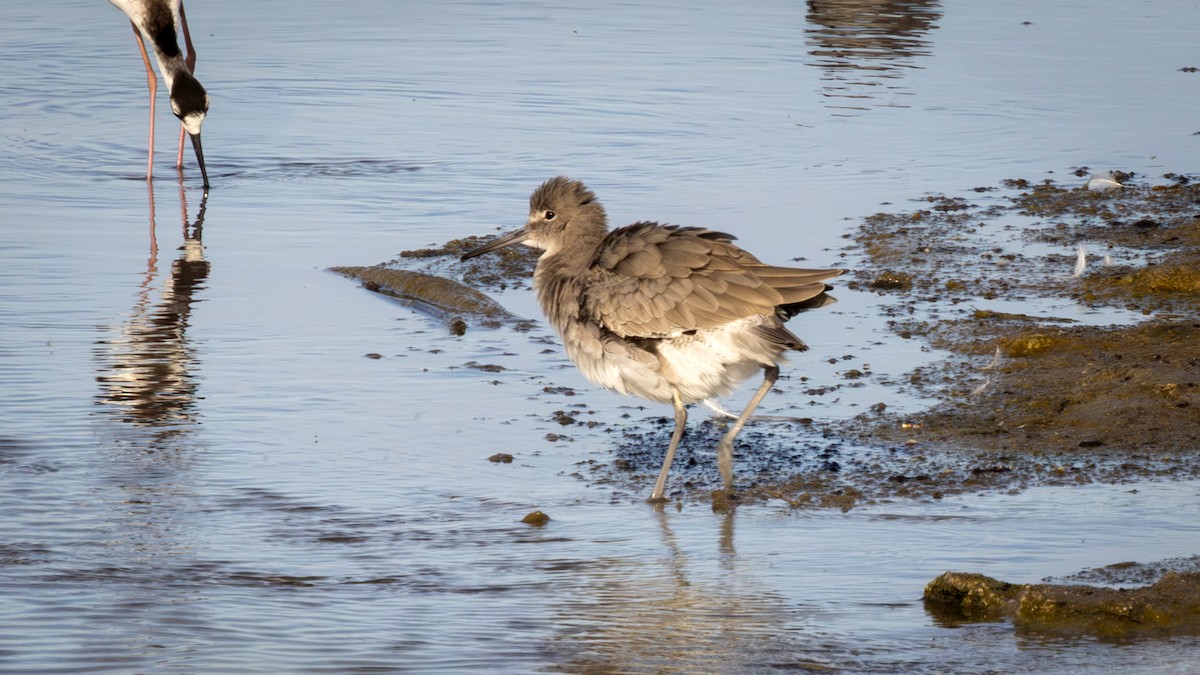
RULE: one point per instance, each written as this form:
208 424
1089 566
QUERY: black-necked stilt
154 21
671 314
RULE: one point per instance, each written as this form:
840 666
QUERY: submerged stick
442 298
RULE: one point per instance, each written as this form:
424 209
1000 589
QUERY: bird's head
561 210
189 102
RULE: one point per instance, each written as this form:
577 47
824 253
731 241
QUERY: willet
671 314
154 20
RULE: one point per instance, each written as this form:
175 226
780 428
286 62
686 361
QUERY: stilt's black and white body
671 314
154 21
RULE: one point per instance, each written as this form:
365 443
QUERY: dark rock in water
1170 606
501 458
536 518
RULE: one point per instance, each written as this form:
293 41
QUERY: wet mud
1107 392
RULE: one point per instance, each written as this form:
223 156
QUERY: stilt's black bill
200 158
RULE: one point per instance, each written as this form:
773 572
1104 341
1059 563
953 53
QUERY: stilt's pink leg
152 84
190 62
179 157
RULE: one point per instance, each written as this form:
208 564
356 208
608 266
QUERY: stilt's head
189 102
562 212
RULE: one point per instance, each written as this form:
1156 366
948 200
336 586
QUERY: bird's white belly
713 362
707 363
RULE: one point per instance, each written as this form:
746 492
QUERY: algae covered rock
1170 606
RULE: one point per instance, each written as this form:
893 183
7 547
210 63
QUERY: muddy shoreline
1043 397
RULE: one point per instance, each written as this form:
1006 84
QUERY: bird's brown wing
654 281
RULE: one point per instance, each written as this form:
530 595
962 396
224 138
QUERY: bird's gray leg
680 422
725 447
190 62
152 85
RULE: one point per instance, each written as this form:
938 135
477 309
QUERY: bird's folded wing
659 281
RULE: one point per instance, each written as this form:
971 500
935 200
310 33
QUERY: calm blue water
200 471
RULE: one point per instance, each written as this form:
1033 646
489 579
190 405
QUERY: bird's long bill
200 158
500 242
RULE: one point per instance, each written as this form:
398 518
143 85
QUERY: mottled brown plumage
668 313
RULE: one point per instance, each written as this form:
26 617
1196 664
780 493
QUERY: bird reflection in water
864 48
145 373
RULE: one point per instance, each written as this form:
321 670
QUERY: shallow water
201 472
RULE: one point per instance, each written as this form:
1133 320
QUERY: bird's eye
550 215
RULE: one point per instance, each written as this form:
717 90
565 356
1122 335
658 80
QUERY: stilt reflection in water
864 48
146 362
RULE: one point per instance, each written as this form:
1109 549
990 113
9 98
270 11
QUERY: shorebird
154 21
671 314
